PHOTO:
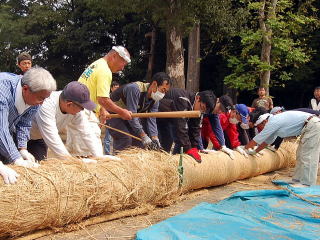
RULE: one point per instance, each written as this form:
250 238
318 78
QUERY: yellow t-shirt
97 77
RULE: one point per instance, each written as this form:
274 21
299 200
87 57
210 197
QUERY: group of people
33 114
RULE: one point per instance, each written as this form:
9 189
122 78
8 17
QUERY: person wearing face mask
229 127
139 97
184 132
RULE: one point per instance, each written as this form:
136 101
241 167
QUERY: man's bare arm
109 105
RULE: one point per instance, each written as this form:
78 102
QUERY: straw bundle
61 192
218 168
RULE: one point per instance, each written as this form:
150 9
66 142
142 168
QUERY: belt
308 119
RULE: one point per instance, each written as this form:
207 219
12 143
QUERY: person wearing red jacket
228 120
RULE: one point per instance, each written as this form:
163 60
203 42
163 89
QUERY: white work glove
88 160
251 152
110 157
242 150
271 148
26 155
260 153
9 175
146 141
228 151
26 163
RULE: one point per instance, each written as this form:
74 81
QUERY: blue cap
242 109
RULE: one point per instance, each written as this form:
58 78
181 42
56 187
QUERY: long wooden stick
118 130
175 114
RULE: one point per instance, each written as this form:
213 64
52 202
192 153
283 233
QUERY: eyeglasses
78 105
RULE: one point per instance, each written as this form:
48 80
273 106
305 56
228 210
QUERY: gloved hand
228 151
146 141
26 163
111 157
242 150
88 160
9 175
260 153
251 152
155 145
26 155
271 148
193 152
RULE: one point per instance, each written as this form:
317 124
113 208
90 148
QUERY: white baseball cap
122 53
262 118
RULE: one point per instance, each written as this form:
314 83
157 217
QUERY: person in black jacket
182 131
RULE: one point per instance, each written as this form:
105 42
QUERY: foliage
291 32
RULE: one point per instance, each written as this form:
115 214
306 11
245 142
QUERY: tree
274 41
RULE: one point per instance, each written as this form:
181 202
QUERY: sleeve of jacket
151 122
8 148
182 128
24 125
194 132
132 94
216 128
230 130
208 134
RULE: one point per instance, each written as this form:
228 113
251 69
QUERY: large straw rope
61 192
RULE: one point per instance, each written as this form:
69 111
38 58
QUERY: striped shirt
14 127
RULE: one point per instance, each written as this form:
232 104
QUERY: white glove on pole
26 155
228 151
26 163
242 151
9 175
88 160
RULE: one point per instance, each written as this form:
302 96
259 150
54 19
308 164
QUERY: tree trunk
193 74
175 61
174 51
152 35
267 11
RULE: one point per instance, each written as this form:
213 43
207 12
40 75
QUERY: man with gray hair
20 99
98 77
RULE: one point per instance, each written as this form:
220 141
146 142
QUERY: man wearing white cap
289 124
98 77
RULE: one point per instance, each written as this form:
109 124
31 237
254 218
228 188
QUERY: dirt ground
126 228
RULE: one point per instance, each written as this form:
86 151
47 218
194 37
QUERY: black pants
38 148
120 140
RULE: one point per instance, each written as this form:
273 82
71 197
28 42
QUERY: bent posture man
19 100
61 109
288 124
139 97
184 132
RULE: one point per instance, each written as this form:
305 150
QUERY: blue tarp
263 214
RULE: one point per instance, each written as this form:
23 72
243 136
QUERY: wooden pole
120 131
176 114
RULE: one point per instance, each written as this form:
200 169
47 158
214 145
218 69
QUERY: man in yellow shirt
98 77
